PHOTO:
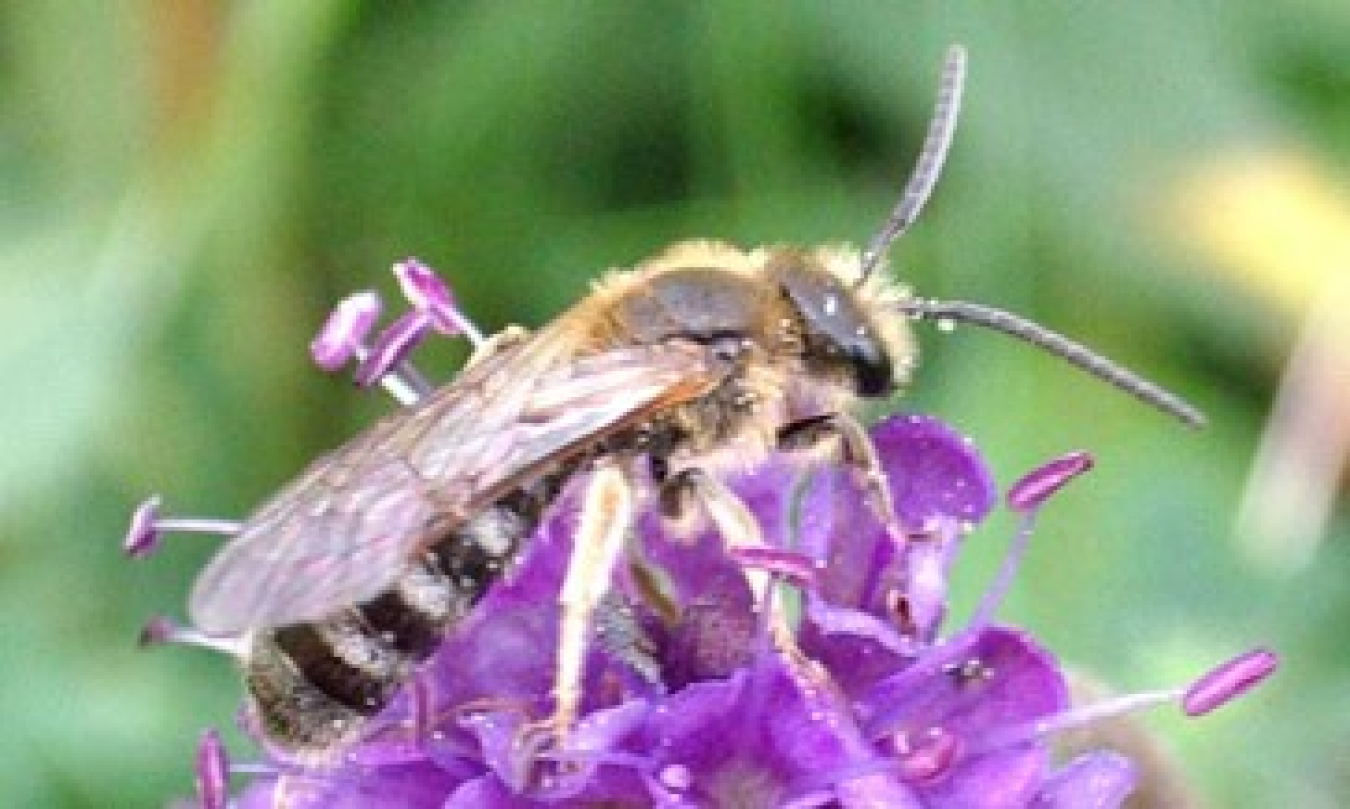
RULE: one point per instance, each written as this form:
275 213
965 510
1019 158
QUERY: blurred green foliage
189 185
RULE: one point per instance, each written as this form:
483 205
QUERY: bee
703 359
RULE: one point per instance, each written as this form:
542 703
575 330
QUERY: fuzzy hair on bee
702 360
798 335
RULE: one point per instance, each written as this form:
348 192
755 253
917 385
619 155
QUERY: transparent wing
344 530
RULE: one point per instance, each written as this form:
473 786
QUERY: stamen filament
460 323
1214 688
423 714
403 382
1026 497
391 347
407 392
1072 718
199 525
1012 560
160 630
146 526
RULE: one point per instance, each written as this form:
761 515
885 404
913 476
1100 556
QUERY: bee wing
345 530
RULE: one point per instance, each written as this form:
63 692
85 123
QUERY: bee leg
507 338
856 450
691 489
606 516
619 634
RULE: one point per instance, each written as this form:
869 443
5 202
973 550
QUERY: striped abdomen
314 684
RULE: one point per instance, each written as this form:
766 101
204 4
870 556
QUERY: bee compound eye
871 367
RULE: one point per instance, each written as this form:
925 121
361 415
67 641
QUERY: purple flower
692 700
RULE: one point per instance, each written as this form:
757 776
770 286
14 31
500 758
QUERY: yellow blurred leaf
1275 222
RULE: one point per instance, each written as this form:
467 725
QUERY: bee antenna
941 127
1059 345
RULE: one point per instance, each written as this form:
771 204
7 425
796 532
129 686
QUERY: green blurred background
187 186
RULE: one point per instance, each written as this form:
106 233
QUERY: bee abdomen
471 559
313 684
344 661
290 709
412 617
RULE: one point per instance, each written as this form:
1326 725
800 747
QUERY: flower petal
966 689
1099 780
936 478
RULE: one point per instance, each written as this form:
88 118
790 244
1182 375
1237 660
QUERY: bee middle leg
856 451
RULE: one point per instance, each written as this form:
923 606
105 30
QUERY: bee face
841 333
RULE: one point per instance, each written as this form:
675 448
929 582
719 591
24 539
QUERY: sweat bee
703 359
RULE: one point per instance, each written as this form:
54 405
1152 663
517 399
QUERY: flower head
691 699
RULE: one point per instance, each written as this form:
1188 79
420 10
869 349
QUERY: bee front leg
691 490
691 493
606 517
856 451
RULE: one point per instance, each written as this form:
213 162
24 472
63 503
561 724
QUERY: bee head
838 334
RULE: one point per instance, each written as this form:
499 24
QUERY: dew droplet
676 777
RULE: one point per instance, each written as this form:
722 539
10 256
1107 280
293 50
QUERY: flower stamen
1032 490
146 526
1026 497
161 630
343 337
1228 680
429 294
212 771
1216 687
344 334
385 361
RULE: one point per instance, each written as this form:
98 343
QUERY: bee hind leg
606 517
